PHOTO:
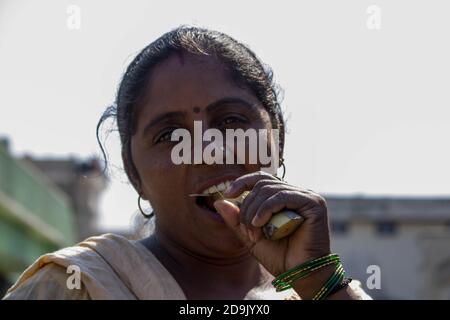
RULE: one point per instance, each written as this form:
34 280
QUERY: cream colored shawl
111 267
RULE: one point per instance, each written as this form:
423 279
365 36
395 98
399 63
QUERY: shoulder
110 267
49 282
73 272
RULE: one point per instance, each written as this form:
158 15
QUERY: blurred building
45 204
83 182
407 238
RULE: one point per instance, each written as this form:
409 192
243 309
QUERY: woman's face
183 89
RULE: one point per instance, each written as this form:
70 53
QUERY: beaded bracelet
284 281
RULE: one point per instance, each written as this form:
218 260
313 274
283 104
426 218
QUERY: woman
200 249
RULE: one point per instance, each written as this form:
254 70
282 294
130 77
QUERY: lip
214 181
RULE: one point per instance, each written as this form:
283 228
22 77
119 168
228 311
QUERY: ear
131 174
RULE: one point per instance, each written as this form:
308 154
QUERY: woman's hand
268 196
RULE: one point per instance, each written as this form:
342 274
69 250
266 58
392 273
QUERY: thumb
230 214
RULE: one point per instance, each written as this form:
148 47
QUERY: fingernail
217 205
254 221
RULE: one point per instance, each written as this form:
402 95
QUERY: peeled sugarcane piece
280 225
237 201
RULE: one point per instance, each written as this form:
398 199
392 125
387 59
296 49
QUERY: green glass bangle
334 280
284 280
308 264
287 282
313 266
321 293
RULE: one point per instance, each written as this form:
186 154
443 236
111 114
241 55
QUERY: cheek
149 158
163 186
158 173
263 148
155 168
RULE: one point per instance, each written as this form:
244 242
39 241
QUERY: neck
199 275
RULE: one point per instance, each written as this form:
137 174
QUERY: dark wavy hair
244 67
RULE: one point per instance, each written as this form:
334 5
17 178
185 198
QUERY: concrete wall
414 260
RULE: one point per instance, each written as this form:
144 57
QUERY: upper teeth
217 188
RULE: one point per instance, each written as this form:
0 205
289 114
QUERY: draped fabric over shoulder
113 267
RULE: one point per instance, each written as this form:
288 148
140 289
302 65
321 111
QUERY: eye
164 136
232 119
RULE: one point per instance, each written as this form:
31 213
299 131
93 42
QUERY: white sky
368 109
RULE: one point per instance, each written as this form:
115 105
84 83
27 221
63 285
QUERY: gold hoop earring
147 216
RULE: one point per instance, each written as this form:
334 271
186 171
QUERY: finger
246 182
258 196
250 199
286 199
230 214
311 192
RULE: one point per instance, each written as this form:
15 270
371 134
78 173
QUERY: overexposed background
368 109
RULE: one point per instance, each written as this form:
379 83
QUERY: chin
224 243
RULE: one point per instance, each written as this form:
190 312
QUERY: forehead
184 82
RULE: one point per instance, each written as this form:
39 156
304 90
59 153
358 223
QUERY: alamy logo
238 146
74 280
374 280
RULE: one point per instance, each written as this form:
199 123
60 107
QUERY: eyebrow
228 100
209 108
163 117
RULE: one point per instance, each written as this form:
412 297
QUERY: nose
209 145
